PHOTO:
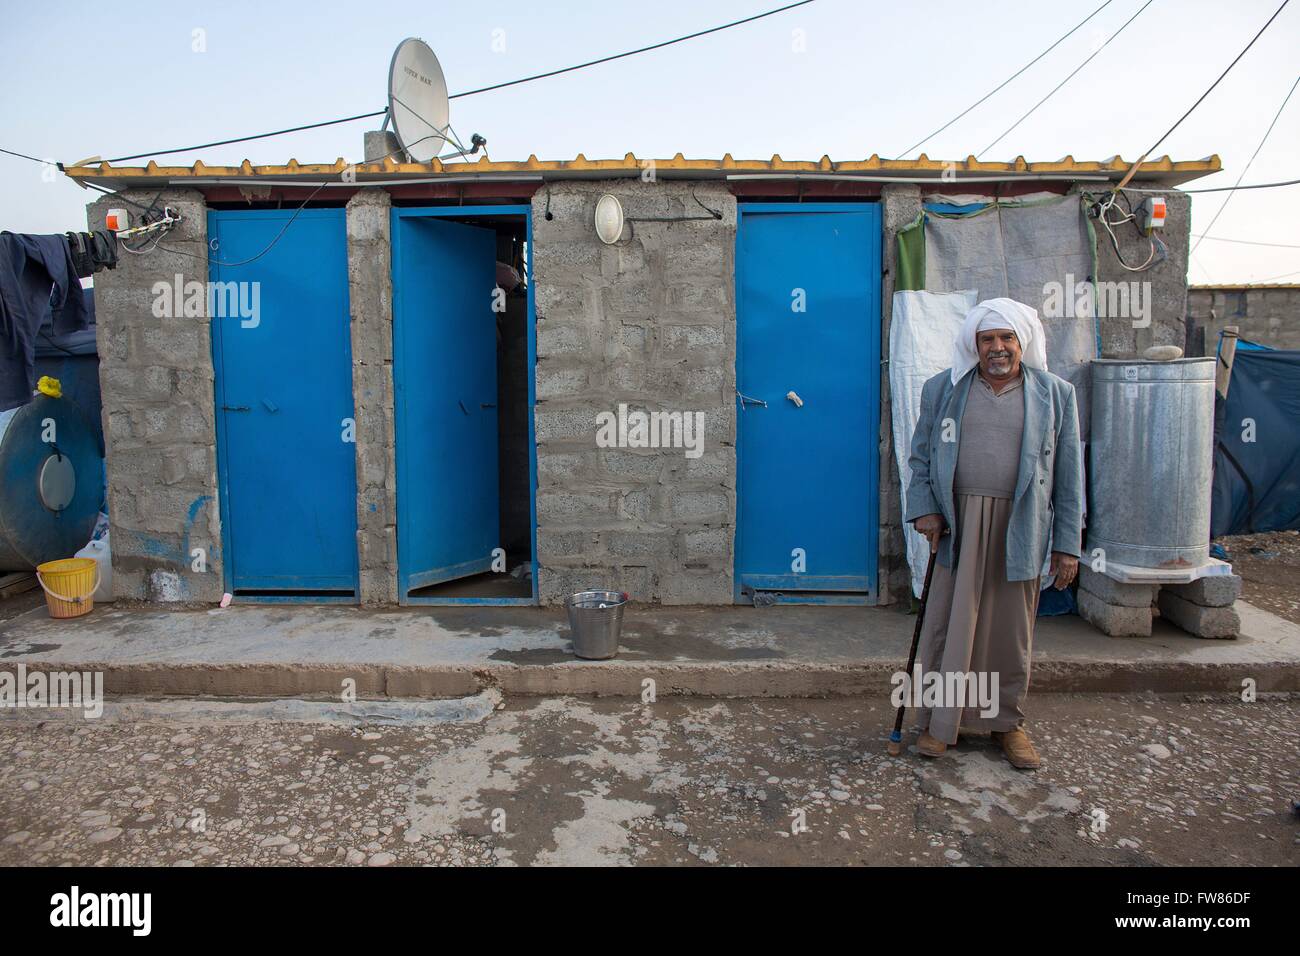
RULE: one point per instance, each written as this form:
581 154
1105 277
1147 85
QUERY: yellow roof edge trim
1159 169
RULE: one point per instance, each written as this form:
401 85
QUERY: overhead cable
1247 242
1212 189
1156 145
990 93
484 89
1246 168
1066 80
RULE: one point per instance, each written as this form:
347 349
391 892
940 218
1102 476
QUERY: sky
844 78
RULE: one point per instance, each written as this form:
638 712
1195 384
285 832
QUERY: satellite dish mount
419 109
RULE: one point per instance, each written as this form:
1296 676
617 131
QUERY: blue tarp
1257 445
1243 344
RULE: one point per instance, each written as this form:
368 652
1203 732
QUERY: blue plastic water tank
51 482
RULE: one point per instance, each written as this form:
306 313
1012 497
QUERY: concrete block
1114 619
635 505
625 298
639 544
627 380
688 337
1110 591
557 543
688 586
707 543
1219 591
716 464
632 464
698 298
554 467
561 423
557 382
557 341
574 506
379 143
1198 620
698 505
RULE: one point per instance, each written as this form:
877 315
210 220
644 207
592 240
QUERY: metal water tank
1150 462
51 482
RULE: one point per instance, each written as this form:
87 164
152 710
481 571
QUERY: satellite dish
417 101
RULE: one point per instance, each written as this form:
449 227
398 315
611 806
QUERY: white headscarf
999 314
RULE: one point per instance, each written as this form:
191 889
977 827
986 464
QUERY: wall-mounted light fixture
609 219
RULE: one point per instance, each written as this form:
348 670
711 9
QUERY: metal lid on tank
1149 370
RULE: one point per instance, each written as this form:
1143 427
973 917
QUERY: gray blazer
1049 486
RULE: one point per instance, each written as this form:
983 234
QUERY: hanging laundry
92 251
37 273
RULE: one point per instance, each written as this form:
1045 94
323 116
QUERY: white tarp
921 334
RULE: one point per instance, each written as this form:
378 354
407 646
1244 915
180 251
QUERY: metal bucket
596 619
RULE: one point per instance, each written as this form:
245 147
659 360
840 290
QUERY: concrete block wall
649 322
1267 314
156 383
1168 289
370 296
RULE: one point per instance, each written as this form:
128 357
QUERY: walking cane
895 746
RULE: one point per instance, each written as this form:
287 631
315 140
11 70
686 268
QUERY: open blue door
808 328
283 361
445 377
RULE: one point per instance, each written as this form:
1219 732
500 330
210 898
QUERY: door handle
235 408
746 400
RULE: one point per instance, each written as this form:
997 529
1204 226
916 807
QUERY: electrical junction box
1151 214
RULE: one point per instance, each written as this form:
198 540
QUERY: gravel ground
1127 780
1269 565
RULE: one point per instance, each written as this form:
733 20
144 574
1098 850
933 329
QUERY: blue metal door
445 377
808 373
283 360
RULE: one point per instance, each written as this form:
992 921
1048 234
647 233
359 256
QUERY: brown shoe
1020 752
928 746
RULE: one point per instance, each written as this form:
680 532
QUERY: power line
1216 189
1284 275
1156 144
484 89
1004 82
1067 79
244 139
644 49
1244 242
43 162
1227 199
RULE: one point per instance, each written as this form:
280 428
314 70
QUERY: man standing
997 474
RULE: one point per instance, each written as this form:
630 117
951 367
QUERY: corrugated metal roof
1162 171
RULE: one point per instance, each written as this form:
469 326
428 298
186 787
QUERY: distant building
1267 314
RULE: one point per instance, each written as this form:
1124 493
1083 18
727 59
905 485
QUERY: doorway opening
463 358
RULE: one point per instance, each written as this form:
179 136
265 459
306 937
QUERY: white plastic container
99 550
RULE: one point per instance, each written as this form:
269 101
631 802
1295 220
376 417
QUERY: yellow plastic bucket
69 585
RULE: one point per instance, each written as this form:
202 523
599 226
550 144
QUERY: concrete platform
783 651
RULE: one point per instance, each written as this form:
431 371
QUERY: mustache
998 355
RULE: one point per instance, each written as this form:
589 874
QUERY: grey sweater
988 458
